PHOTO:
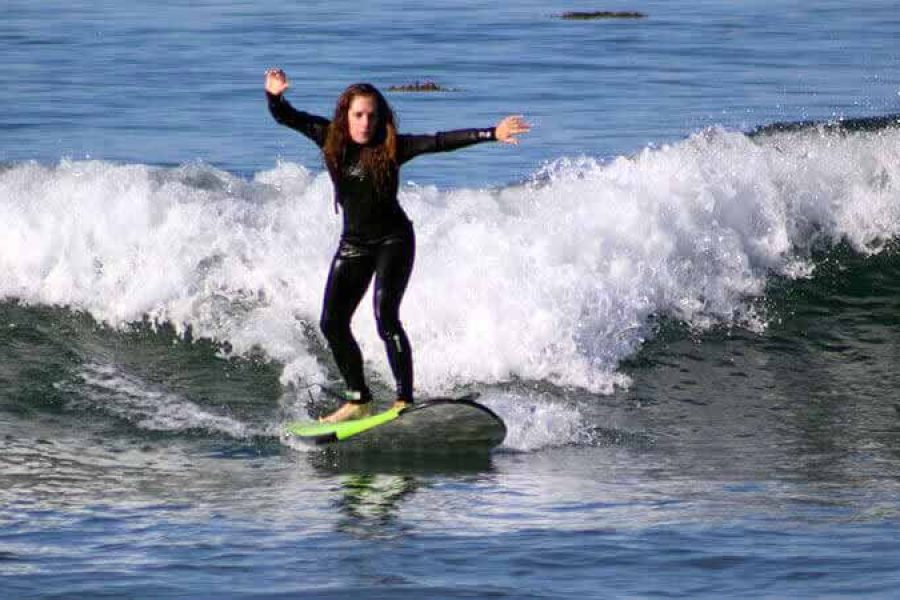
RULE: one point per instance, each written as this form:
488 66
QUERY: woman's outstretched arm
312 126
505 131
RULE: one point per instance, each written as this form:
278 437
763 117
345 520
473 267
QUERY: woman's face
362 119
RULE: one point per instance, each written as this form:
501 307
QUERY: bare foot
400 404
348 412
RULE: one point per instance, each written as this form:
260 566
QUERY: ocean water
680 292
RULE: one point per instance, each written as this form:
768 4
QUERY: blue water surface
164 83
770 500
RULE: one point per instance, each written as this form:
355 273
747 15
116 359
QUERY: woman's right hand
276 82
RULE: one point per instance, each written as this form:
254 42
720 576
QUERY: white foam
537 421
117 393
554 280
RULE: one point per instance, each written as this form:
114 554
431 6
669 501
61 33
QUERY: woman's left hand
510 127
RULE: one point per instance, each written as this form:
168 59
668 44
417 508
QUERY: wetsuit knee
334 329
389 329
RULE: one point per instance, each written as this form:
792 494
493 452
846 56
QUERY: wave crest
557 279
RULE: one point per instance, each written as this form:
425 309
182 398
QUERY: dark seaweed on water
602 14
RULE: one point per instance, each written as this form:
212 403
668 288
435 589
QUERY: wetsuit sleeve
411 146
312 126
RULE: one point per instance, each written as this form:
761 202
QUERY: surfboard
433 424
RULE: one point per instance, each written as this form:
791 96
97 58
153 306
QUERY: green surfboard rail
342 430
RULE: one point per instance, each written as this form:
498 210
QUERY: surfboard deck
433 424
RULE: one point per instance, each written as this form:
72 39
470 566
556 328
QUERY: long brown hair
378 158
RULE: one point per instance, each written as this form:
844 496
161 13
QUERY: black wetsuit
378 240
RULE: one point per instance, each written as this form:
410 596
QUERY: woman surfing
363 153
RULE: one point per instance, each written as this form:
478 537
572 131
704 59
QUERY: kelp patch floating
603 14
420 86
